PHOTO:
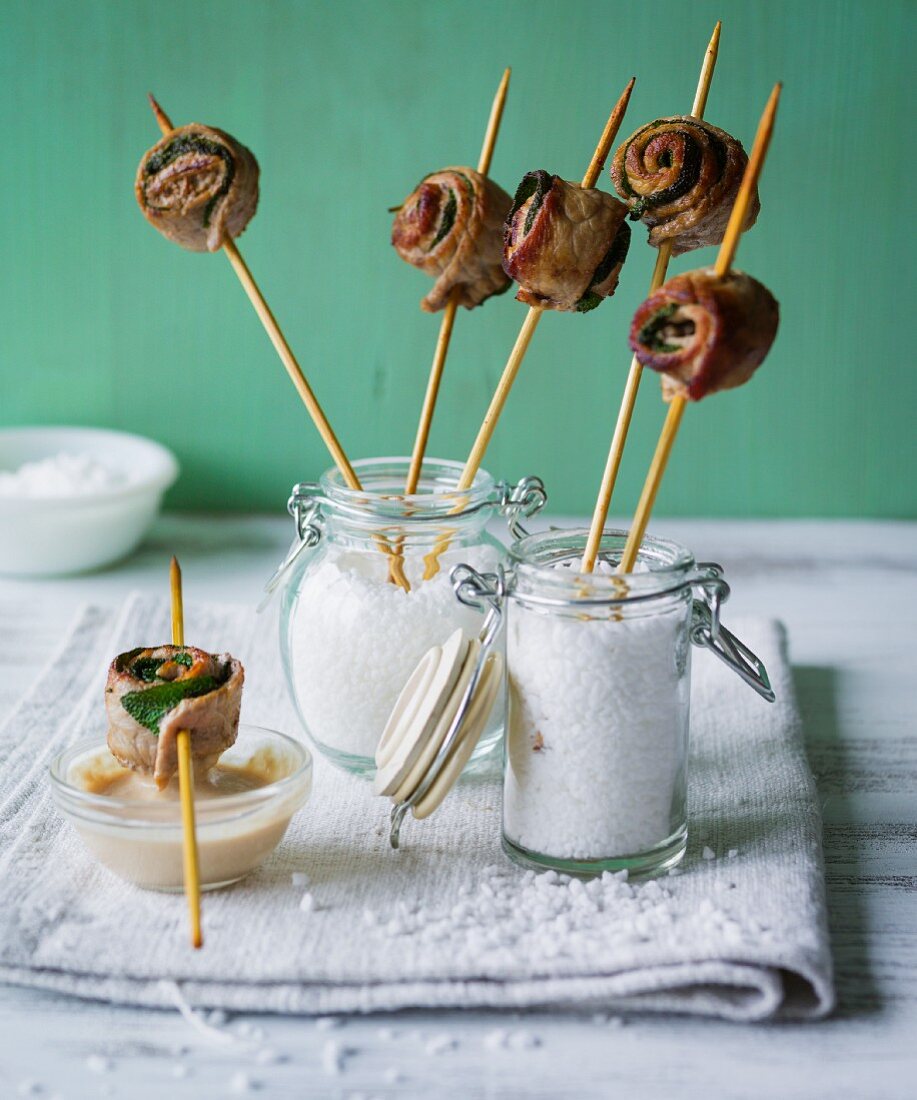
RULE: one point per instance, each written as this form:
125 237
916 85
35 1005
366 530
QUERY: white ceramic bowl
65 534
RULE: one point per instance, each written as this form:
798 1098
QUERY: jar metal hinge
305 507
520 501
708 632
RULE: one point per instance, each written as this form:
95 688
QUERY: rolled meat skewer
198 186
152 694
705 333
451 227
564 244
680 177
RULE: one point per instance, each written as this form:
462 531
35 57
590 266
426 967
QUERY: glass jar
599 670
367 591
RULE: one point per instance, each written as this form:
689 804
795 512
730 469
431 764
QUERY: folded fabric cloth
447 921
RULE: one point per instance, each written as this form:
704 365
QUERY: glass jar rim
668 568
382 494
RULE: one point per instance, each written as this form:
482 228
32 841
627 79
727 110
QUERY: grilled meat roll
680 177
198 187
451 227
704 333
564 244
151 694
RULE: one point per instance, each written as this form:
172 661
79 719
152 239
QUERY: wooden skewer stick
292 366
534 314
278 340
631 388
723 262
186 780
526 332
445 328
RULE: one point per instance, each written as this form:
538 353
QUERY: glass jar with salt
367 591
599 671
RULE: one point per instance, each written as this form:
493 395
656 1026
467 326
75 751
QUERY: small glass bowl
142 841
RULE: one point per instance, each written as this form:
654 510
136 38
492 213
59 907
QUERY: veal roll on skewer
564 244
152 694
451 227
680 177
704 333
198 186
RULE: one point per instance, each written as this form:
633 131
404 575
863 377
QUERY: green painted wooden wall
346 105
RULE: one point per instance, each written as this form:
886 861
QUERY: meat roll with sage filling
705 333
198 187
564 244
680 177
451 227
151 694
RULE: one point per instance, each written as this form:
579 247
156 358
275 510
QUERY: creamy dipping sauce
109 778
138 833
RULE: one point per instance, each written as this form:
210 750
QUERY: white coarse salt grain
307 903
708 853
440 1044
181 1071
217 1018
393 1076
96 1063
267 1056
524 1040
327 1023
356 638
299 878
334 1054
496 1039
60 475
597 731
241 1082
732 853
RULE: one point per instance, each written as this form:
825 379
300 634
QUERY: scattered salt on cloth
446 921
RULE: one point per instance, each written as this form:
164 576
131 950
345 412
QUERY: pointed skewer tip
165 123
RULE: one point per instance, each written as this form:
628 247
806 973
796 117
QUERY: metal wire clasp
707 630
481 592
305 507
522 500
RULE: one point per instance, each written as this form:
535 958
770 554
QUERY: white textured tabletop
848 593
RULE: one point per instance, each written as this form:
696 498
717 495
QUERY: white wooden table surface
848 592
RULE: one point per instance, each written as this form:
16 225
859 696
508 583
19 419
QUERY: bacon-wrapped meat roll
704 333
198 187
451 227
564 244
151 694
680 177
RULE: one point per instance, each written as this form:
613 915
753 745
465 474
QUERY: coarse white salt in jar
372 592
599 698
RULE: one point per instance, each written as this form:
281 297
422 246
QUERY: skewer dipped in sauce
123 794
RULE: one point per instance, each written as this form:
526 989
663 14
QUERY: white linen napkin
447 921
